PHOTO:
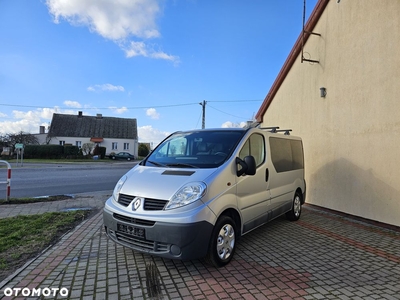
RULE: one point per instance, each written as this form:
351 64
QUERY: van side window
254 146
286 155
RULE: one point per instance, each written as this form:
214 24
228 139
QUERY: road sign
19 146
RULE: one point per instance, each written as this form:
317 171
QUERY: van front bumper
169 240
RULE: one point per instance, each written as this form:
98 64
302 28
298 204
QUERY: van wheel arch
224 239
295 213
234 215
300 192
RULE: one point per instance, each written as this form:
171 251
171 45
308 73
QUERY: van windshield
195 149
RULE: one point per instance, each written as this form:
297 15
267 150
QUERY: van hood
160 183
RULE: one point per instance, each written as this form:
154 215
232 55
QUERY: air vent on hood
179 173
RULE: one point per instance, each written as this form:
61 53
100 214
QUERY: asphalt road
34 180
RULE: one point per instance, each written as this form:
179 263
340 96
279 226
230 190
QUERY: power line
110 107
132 107
227 113
238 100
203 104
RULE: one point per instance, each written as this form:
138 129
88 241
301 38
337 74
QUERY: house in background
41 136
340 92
115 134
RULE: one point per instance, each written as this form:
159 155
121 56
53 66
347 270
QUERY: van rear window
286 154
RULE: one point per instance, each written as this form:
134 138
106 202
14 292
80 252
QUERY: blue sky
153 60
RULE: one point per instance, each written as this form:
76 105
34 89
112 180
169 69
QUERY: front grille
149 204
141 244
125 200
133 220
154 204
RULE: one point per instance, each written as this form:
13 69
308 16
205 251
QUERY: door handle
266 175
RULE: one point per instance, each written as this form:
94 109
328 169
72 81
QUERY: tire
113 157
295 213
223 242
128 158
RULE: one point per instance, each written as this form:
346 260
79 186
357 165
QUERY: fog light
175 250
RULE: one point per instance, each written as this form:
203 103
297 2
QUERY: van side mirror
248 166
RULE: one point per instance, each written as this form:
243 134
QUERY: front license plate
132 230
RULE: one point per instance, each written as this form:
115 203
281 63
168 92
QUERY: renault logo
136 203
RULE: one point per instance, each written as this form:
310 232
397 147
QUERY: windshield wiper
157 164
181 165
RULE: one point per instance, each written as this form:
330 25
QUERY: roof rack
286 131
274 129
271 129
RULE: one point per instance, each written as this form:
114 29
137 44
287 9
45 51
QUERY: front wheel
295 213
223 242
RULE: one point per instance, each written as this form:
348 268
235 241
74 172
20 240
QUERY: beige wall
352 136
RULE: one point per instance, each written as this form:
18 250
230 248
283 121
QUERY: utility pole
203 122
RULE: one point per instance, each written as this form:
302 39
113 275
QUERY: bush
43 151
102 152
71 151
96 150
143 150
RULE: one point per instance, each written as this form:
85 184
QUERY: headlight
118 187
187 194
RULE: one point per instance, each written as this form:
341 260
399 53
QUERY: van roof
215 129
273 129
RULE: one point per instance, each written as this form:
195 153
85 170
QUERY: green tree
143 150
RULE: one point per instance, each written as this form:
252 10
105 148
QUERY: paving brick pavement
322 256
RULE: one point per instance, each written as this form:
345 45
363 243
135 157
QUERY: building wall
133 144
41 137
352 136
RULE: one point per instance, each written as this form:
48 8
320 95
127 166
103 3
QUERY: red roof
96 140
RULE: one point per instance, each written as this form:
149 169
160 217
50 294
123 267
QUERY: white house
116 134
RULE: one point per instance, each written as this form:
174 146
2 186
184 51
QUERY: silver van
200 190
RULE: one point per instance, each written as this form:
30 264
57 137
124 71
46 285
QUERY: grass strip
24 237
34 199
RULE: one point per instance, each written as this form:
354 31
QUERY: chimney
99 116
79 114
41 129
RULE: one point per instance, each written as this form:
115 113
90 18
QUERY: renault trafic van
198 191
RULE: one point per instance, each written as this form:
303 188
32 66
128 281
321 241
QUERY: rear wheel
223 242
295 213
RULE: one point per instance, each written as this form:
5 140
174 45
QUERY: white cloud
17 126
148 134
118 110
114 20
31 120
106 87
230 124
118 21
152 113
73 104
133 49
